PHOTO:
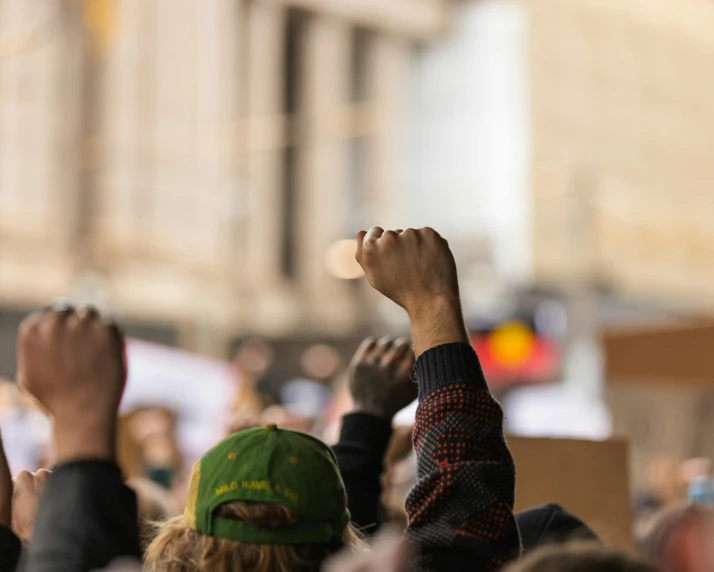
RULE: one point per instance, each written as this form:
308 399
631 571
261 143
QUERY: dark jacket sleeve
360 456
10 550
87 518
461 509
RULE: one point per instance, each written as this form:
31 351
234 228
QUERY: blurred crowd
313 474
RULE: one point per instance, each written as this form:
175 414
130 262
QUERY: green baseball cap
269 465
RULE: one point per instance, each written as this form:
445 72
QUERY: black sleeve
10 550
87 518
360 456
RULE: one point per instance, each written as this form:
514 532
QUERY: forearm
461 507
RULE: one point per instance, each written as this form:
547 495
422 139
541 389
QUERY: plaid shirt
461 508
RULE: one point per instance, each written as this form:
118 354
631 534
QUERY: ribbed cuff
368 430
446 365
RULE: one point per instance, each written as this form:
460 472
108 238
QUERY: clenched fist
415 269
410 267
72 363
380 377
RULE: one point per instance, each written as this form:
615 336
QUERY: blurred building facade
187 164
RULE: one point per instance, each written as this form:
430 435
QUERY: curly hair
178 548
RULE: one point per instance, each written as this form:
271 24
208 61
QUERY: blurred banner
201 392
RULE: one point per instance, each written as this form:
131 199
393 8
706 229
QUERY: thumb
5 488
360 243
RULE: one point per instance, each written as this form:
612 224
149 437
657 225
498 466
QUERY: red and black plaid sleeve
461 509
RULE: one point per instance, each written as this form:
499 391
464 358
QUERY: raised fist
72 363
380 377
410 267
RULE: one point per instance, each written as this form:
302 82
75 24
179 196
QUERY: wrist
373 410
82 438
437 321
431 307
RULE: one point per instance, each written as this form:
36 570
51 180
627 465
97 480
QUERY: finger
374 234
365 348
399 230
88 312
24 481
396 353
360 243
382 348
63 307
31 321
6 488
406 367
41 477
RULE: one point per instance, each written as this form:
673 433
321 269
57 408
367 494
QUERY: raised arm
72 363
461 509
381 385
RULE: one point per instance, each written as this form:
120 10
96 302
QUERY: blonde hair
580 557
155 504
178 548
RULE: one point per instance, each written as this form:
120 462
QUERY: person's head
264 499
681 538
579 557
551 524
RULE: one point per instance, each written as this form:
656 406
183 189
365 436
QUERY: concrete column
389 66
322 164
264 132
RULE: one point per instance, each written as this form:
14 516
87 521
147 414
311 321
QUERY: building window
295 24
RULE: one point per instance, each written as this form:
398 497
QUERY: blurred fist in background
380 377
71 362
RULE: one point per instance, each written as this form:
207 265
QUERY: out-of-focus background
200 168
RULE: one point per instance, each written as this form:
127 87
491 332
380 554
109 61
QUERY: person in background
156 504
681 539
260 385
550 524
388 554
264 499
579 557
460 512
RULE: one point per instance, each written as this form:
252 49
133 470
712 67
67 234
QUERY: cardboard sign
588 478
677 355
